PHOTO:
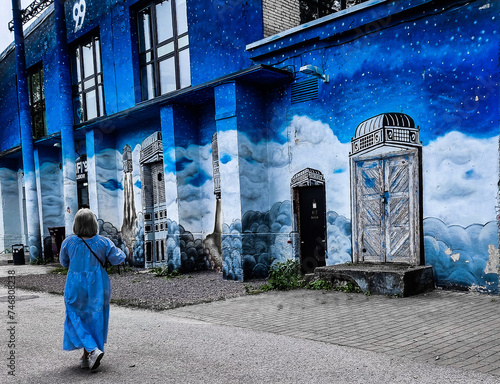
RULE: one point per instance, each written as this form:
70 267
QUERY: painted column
66 119
227 136
90 144
33 218
169 163
10 214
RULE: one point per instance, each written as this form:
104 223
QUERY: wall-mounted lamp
314 71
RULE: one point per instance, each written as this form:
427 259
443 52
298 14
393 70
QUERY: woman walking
88 290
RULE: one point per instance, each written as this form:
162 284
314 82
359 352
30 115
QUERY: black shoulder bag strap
100 262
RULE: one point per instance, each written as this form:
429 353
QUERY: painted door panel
397 205
370 175
312 227
385 208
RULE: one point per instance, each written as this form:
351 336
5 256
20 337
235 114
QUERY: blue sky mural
439 69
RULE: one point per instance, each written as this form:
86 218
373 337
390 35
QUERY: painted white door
386 208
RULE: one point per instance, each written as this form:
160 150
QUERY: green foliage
320 285
164 272
285 275
39 261
350 287
255 290
60 271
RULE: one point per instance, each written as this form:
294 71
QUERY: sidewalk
6 265
158 347
312 334
452 329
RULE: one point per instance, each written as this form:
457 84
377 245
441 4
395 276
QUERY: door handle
384 197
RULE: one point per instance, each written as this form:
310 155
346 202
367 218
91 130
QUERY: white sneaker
95 358
84 363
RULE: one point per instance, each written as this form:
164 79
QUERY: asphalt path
155 347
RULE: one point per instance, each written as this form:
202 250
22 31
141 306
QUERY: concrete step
383 279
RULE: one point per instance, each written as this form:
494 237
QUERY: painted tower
129 213
153 201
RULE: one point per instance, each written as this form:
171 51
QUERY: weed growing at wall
39 261
164 272
349 287
286 275
320 285
60 271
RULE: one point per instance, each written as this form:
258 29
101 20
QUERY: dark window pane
184 68
42 85
144 30
165 50
75 66
88 60
89 83
100 94
36 102
147 82
167 76
164 21
30 90
308 11
78 108
37 92
97 55
38 125
183 41
181 11
328 7
91 104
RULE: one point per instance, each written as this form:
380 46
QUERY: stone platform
383 279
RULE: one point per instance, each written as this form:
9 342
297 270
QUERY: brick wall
280 15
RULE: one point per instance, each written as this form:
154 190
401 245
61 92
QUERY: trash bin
57 235
18 254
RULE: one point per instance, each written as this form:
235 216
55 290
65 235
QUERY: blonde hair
85 223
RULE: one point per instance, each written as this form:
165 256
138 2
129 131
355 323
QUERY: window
163 40
86 72
314 9
37 102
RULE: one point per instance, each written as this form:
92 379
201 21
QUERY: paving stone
462 329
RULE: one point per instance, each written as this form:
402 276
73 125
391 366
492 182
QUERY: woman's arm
114 255
63 255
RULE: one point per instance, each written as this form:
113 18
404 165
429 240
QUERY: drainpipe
66 118
32 216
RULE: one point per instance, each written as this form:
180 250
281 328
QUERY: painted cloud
459 171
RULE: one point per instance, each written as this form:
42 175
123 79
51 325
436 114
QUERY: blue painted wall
438 65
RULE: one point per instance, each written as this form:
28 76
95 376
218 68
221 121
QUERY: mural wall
204 178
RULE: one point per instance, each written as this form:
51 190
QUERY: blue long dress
87 291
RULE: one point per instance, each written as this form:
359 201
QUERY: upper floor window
36 92
163 48
314 9
88 91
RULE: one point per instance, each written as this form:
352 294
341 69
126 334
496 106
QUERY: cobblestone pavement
452 329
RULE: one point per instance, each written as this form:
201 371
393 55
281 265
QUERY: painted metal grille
304 90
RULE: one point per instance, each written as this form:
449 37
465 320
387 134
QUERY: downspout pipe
66 118
32 214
